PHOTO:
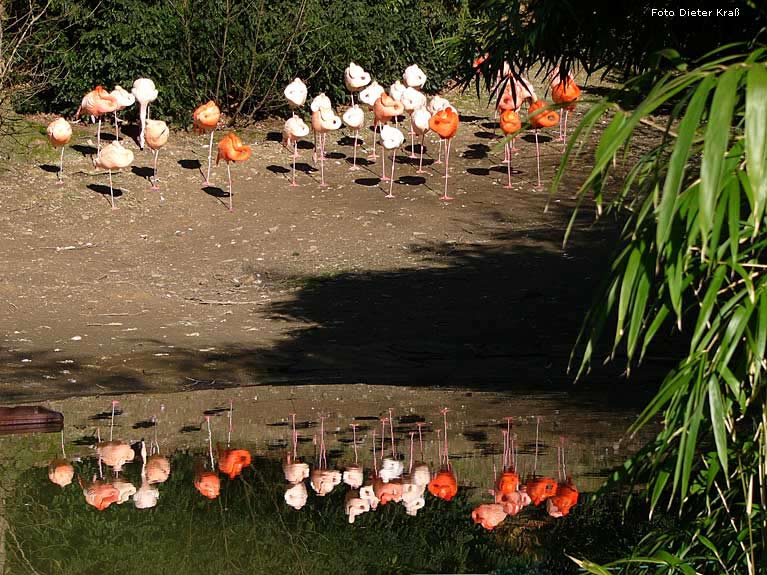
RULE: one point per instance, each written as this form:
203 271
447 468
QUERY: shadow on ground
499 314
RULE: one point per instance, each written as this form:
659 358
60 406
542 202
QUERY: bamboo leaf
678 162
756 138
718 416
707 306
714 147
627 291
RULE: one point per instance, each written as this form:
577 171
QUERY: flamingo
353 476
145 92
318 103
437 104
295 471
391 139
156 137
296 495
99 494
322 479
296 93
355 79
384 109
540 117
412 100
294 129
205 118
354 118
60 471
566 495
420 122
123 99
324 120
369 96
355 505
232 461
414 77
564 92
96 103
113 157
445 123
59 133
444 485
206 481
231 149
489 515
510 124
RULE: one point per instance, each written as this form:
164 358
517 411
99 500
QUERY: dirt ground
306 284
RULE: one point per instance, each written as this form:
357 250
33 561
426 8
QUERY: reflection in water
244 494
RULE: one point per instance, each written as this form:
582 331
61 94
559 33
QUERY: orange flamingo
540 117
207 482
59 133
96 103
444 484
510 124
231 149
445 123
233 461
205 118
99 494
565 92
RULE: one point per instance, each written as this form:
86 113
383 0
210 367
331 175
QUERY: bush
240 54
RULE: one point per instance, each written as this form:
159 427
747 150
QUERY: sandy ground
298 284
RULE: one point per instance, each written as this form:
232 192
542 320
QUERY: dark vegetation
239 53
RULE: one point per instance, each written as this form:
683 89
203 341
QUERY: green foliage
693 260
239 53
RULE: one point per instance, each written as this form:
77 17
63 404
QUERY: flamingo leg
384 177
374 156
356 132
229 174
412 138
390 195
111 191
508 166
210 155
60 174
420 161
117 128
447 168
154 174
324 141
322 161
564 134
538 161
295 154
98 139
439 154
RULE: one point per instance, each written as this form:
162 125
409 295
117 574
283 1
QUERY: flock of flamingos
389 481
404 97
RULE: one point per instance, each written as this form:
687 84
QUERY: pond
192 517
